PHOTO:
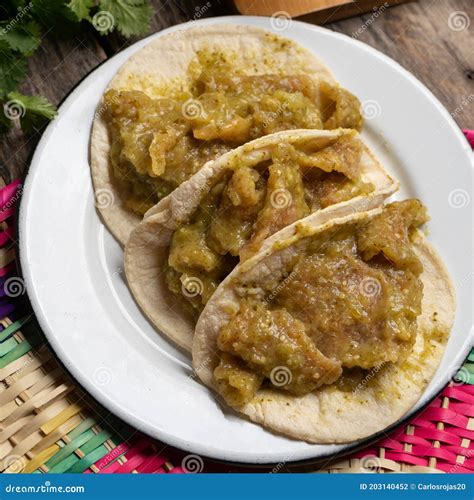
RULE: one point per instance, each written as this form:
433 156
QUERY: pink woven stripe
438 435
9 192
138 446
134 449
441 415
469 462
459 450
463 433
469 136
412 439
425 433
390 443
115 466
463 408
111 456
406 457
425 451
133 463
152 465
463 393
453 468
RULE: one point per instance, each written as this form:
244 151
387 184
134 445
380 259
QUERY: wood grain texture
54 70
419 35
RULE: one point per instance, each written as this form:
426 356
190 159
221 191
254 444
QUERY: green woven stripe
11 329
83 438
60 462
95 442
69 448
82 427
7 346
92 448
88 460
466 373
65 465
33 340
470 379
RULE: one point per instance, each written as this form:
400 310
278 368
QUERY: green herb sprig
24 23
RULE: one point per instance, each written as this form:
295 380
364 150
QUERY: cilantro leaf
33 111
11 8
22 24
13 68
22 37
130 17
81 8
54 15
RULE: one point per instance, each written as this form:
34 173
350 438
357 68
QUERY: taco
194 94
332 334
190 241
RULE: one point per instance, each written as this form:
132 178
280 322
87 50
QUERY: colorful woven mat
48 423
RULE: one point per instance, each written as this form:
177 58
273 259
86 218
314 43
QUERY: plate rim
96 392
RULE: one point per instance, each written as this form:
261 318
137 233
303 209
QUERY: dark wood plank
420 36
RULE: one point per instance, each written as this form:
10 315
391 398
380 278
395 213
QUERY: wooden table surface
419 35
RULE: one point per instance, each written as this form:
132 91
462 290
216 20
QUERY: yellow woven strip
36 421
61 418
37 442
42 457
55 436
47 395
39 402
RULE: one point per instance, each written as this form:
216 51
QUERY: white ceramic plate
73 266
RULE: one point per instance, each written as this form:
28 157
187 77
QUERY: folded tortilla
162 65
146 252
329 414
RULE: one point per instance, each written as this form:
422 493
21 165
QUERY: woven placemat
49 424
